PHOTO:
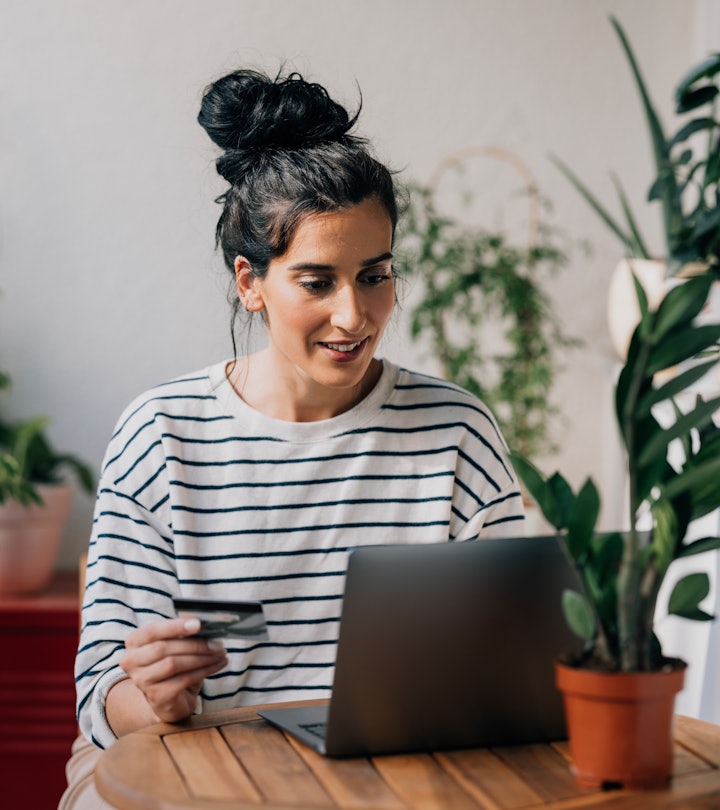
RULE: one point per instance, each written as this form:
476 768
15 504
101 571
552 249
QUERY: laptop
444 646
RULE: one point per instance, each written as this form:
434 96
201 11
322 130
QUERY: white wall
107 270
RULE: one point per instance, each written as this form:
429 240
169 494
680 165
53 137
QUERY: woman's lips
345 351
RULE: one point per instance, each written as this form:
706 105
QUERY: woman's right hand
167 663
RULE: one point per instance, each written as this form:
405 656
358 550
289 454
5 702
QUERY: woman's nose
348 311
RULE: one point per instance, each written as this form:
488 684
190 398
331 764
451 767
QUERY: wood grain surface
236 760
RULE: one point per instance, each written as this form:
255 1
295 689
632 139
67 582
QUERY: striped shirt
202 496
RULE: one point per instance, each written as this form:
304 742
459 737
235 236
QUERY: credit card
222 619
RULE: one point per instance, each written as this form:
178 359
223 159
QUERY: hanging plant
486 314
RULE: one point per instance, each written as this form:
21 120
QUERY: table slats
544 769
278 771
234 760
489 780
421 783
700 738
685 762
221 777
138 765
354 784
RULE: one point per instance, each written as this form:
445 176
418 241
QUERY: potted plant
687 172
622 676
471 281
34 501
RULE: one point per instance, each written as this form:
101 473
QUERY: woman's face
326 302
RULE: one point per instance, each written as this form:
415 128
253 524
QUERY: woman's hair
287 153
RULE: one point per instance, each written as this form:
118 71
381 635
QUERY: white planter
30 538
623 312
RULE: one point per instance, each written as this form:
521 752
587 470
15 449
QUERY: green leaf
602 597
655 192
704 491
82 471
664 536
639 248
687 595
712 174
657 444
649 476
13 485
707 222
694 476
563 496
633 380
582 516
685 438
592 201
696 125
25 436
705 499
607 550
646 429
699 546
683 345
641 297
693 99
683 508
707 68
579 615
538 488
656 131
681 305
670 199
655 652
622 389
676 385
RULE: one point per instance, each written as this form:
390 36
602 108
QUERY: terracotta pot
30 538
620 724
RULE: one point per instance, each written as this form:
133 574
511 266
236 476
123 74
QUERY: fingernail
216 644
192 625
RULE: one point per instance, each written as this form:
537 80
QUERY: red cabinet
38 641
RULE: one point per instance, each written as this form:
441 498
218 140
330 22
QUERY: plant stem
628 607
629 577
601 645
649 591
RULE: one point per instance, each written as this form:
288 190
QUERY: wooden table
236 760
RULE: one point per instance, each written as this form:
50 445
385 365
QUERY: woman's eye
315 284
373 279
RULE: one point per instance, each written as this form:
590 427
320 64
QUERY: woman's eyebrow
383 257
294 268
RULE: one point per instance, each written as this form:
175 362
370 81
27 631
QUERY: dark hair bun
247 111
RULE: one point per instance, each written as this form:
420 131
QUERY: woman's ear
247 286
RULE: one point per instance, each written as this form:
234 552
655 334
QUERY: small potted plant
475 282
619 694
686 186
34 501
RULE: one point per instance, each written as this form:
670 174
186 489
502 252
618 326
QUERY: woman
254 478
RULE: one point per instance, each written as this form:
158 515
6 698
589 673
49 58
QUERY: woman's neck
295 399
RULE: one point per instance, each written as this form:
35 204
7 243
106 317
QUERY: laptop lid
447 645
